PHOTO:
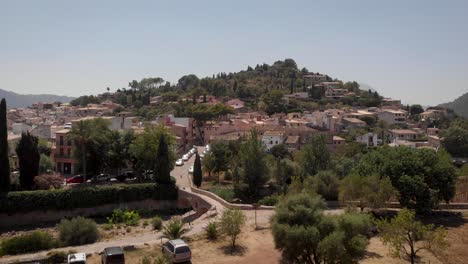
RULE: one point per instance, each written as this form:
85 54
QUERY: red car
77 179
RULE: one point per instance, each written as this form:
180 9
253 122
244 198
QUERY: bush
27 243
174 229
83 197
129 218
212 231
54 257
157 223
46 181
77 231
269 200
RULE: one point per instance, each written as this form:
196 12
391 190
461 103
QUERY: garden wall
34 218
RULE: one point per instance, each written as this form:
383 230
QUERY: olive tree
231 224
406 236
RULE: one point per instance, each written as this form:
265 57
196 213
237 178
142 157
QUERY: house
65 163
238 105
369 139
350 123
315 78
402 134
293 143
432 114
391 103
335 93
391 116
335 143
272 138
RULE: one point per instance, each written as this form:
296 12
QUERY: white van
78 258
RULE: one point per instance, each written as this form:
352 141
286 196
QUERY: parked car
177 250
113 255
78 178
190 170
193 150
185 157
78 258
100 178
179 162
126 175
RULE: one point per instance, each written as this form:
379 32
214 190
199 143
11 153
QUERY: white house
370 139
273 138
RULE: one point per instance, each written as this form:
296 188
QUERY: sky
413 50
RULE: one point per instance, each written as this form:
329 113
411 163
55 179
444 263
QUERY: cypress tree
4 162
162 170
197 171
28 157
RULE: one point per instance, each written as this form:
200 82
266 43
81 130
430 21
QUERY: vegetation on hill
459 105
261 87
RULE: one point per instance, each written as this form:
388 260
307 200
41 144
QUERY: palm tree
174 229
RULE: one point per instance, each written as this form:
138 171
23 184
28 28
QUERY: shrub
47 181
174 229
83 197
271 200
77 231
129 218
157 222
27 243
212 231
107 226
145 223
225 193
54 257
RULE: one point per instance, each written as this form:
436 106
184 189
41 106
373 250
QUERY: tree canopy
305 235
422 177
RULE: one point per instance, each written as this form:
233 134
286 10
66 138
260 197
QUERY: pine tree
4 162
28 157
162 170
197 171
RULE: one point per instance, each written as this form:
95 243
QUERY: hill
24 100
459 105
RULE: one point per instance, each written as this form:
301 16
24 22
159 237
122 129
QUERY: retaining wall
50 216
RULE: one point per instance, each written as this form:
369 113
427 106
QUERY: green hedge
84 197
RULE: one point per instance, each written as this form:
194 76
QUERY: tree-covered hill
459 105
259 86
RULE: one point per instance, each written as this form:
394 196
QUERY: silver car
177 250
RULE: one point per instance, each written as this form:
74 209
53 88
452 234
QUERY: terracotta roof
292 140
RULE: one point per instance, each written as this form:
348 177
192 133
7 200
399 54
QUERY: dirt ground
257 246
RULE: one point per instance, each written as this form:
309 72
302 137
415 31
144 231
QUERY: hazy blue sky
413 50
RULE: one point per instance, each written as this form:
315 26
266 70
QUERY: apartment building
65 163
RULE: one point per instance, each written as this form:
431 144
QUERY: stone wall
51 216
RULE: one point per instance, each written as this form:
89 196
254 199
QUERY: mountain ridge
459 105
15 100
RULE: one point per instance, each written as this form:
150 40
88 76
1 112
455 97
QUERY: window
182 249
